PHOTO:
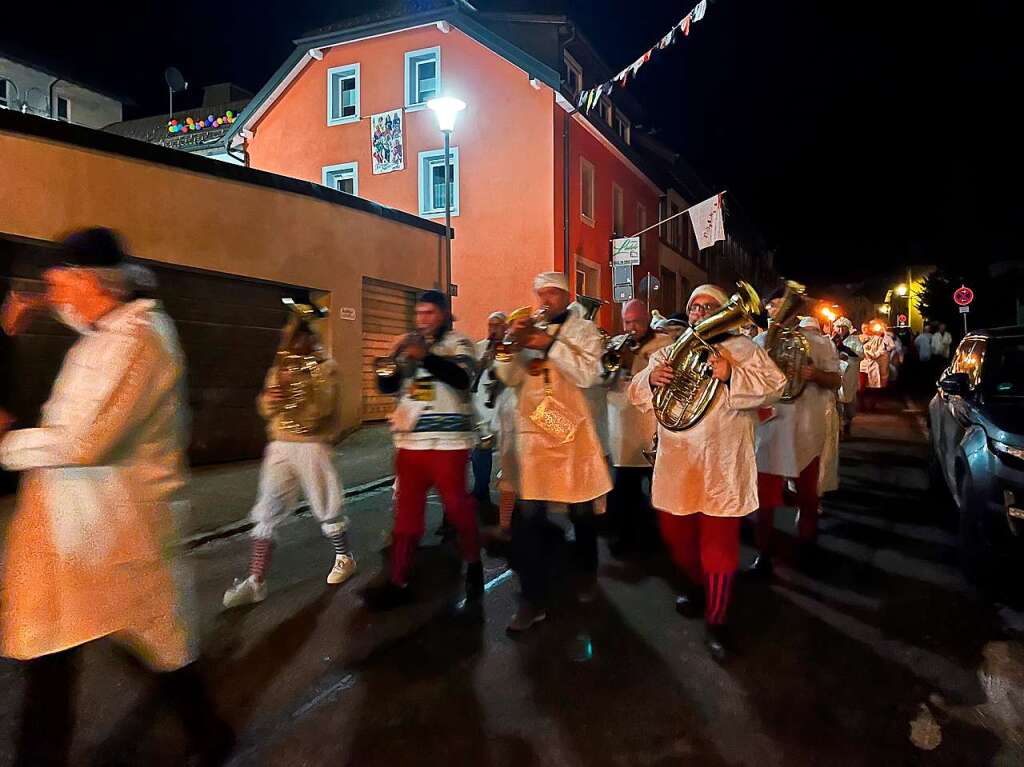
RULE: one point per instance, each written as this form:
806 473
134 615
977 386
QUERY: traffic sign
963 296
901 320
965 309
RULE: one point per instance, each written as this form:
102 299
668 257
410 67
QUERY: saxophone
786 345
682 403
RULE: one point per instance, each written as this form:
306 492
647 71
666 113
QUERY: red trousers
417 471
769 497
707 550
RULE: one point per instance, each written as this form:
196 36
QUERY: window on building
606 111
432 183
669 300
343 177
422 76
6 93
573 75
587 279
343 94
671 231
63 109
641 217
622 126
618 211
586 191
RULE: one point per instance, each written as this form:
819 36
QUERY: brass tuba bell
785 344
682 403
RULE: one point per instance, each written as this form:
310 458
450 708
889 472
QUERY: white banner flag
708 224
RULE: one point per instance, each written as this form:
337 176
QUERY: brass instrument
611 359
513 340
389 369
299 378
20 309
785 344
682 403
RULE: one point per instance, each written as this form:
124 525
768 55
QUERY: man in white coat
631 432
792 440
89 549
705 477
850 350
560 457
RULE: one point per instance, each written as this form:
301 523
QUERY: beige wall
192 219
88 108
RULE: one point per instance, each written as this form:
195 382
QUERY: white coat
574 471
710 468
796 435
871 362
631 430
89 547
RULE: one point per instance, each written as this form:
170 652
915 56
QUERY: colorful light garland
191 124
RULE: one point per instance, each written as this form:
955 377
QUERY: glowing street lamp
901 290
447 109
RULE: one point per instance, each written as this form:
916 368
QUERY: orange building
511 214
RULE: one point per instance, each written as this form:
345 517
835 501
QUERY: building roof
43 64
153 130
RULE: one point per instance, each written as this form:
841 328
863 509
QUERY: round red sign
902 319
963 295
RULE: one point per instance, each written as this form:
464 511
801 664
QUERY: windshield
1004 367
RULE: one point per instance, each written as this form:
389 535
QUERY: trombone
611 360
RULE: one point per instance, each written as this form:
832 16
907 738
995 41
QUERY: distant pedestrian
941 343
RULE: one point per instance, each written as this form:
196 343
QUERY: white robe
710 468
787 443
89 550
630 430
871 362
571 472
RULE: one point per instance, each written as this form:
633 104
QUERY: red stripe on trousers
707 550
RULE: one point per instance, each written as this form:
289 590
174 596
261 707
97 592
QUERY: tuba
682 403
786 345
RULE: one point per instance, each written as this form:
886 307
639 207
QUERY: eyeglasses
703 308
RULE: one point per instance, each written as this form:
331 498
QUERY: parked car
977 449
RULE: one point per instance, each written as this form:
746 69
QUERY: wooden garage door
388 311
229 329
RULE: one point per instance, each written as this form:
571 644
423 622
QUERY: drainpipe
566 175
52 106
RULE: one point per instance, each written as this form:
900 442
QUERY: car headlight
1011 455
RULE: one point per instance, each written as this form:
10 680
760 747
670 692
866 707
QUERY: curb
234 528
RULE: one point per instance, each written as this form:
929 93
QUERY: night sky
858 136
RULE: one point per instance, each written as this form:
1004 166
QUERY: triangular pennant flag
707 221
699 10
684 25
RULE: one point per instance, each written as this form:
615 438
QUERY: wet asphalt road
885 656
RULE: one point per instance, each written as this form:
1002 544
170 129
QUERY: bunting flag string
589 97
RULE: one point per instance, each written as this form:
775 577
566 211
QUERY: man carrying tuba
791 439
299 403
705 476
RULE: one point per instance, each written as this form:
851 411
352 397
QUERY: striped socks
718 588
259 562
506 503
340 543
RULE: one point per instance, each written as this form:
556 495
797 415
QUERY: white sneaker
245 592
344 568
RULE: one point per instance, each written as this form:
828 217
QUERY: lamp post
447 109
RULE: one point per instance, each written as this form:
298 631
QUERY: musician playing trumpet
705 476
791 438
631 431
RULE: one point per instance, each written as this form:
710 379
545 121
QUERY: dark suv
977 445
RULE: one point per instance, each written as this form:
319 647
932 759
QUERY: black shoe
761 567
717 643
690 605
386 596
474 581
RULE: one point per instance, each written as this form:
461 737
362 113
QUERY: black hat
435 297
96 248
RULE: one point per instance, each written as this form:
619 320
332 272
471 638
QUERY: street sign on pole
965 309
626 251
963 296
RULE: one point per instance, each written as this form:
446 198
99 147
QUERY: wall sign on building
626 251
386 142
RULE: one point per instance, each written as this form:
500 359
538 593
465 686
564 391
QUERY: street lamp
901 290
447 109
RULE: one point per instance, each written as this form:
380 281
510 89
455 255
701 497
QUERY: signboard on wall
626 251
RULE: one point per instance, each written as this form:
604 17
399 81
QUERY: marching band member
850 349
705 477
630 433
560 458
433 432
872 362
299 403
790 443
486 389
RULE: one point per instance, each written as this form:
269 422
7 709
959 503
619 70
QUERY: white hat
707 290
843 322
498 316
551 280
810 322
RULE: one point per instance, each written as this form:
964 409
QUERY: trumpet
389 369
611 360
513 340
20 309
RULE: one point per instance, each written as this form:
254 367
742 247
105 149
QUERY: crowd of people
576 420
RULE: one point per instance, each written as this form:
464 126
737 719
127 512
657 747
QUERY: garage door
229 329
388 311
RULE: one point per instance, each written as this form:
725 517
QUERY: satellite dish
174 79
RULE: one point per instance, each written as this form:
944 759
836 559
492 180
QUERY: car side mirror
956 384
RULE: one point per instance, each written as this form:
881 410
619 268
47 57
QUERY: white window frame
584 165
641 216
67 109
426 161
410 104
571 65
590 268
623 134
8 97
618 211
344 70
351 168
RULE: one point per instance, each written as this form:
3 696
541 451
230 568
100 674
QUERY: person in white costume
705 477
850 350
791 442
485 390
560 455
90 549
297 459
